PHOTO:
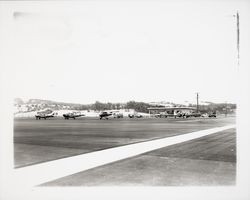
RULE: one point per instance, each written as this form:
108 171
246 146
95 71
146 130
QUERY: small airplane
105 115
72 115
45 114
113 113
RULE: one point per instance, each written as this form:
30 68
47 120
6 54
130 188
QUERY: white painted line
41 173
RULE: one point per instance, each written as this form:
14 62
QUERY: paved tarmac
37 141
206 161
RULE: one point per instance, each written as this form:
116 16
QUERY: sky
116 51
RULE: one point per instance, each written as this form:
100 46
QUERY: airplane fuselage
68 116
43 116
105 115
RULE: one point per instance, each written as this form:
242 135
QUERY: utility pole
197 102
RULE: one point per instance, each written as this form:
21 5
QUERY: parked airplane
45 114
105 115
72 115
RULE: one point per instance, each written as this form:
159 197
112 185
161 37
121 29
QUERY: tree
138 106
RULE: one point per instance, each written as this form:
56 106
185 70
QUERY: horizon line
160 101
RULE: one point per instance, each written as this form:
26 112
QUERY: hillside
34 105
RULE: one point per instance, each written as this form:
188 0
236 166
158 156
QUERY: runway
47 140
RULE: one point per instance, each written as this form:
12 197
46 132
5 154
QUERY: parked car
213 114
192 115
204 115
118 115
137 115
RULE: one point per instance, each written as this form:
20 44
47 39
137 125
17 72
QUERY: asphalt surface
206 161
37 141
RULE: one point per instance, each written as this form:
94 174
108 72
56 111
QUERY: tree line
137 106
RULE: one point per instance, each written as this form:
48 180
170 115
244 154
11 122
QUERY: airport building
170 111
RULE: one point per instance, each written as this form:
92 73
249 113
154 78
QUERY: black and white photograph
124 99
